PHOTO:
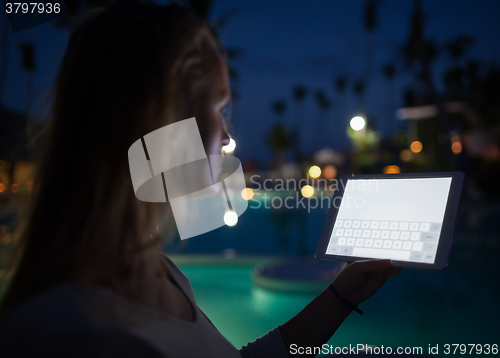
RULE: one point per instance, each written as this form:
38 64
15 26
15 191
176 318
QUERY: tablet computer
409 218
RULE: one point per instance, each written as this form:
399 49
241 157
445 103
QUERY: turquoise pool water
460 305
414 309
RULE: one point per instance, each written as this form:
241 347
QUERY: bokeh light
405 155
329 172
230 147
357 123
314 171
230 218
14 188
2 187
391 169
456 147
416 146
307 191
247 194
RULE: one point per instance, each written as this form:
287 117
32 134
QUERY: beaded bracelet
344 300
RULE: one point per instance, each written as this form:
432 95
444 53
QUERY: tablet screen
398 219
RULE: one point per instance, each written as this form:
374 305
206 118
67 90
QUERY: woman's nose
225 138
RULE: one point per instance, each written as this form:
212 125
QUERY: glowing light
2 187
357 123
230 218
14 188
29 185
307 191
405 155
391 169
456 147
416 147
230 147
314 171
247 194
329 172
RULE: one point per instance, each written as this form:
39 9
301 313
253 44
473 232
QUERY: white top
91 321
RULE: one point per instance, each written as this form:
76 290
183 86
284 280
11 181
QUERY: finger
367 266
393 271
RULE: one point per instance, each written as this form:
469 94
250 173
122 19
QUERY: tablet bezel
448 225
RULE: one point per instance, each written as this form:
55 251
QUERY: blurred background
319 89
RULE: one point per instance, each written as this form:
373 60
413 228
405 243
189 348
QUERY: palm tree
359 91
324 105
389 71
279 141
28 63
299 94
457 48
278 137
419 53
4 55
279 107
370 23
340 84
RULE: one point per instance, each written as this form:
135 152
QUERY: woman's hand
360 279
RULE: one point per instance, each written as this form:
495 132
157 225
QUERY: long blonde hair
132 69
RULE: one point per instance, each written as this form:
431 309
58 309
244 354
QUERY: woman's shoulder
58 322
179 276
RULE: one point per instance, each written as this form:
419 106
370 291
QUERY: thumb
367 266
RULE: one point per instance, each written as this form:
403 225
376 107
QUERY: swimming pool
414 309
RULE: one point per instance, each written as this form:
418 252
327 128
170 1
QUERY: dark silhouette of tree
324 105
299 93
419 55
456 49
370 23
4 55
323 102
279 107
340 84
28 63
359 91
279 141
389 71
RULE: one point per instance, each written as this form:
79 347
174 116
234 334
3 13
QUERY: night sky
289 42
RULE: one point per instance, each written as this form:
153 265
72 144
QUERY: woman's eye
224 112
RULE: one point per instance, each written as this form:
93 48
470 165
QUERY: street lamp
357 123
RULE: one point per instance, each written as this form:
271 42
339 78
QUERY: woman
87 277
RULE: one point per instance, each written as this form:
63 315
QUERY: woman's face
211 102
